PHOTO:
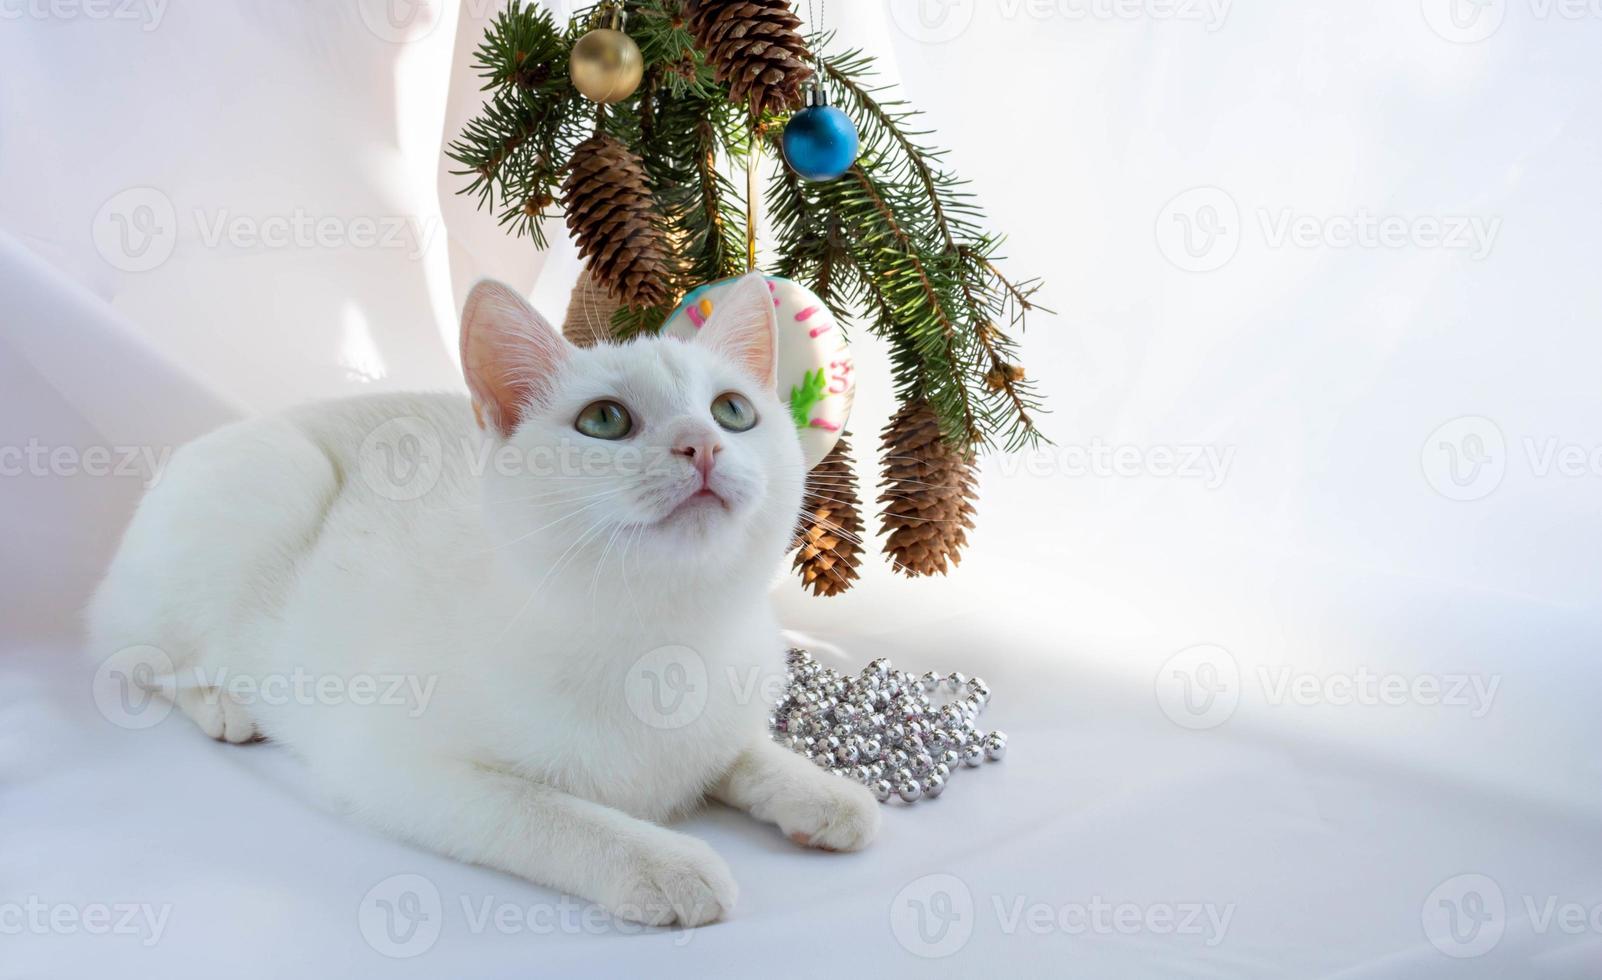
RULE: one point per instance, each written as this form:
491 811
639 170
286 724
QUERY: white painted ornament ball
817 378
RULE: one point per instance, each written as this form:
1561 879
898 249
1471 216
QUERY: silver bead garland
882 727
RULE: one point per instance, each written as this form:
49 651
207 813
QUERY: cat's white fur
520 591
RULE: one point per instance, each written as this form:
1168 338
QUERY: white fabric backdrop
221 208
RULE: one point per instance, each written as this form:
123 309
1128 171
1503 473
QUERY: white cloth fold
1324 399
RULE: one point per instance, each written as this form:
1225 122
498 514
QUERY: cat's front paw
828 812
673 880
219 714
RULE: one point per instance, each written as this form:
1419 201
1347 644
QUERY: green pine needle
897 245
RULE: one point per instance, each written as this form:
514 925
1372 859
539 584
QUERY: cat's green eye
734 411
604 420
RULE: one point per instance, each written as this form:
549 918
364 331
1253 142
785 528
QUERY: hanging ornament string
752 159
820 142
816 23
758 135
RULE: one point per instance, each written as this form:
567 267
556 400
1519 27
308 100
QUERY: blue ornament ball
820 142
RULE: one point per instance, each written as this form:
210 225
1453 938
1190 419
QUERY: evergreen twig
897 245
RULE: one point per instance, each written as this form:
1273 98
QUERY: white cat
574 573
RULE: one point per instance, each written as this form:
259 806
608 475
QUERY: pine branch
951 223
897 244
891 121
929 298
684 127
516 149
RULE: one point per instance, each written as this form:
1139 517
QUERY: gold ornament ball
606 66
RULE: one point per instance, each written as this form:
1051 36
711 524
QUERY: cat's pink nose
702 453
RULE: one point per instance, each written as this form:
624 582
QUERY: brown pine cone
830 533
928 493
611 212
589 312
755 46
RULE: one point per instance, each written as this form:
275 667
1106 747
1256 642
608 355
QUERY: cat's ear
744 328
510 354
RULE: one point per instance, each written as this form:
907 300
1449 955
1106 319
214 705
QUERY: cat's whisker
893 560
915 459
582 492
836 529
592 316
896 563
804 520
540 586
832 482
544 494
600 566
873 491
801 525
574 550
638 531
842 501
566 517
822 495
